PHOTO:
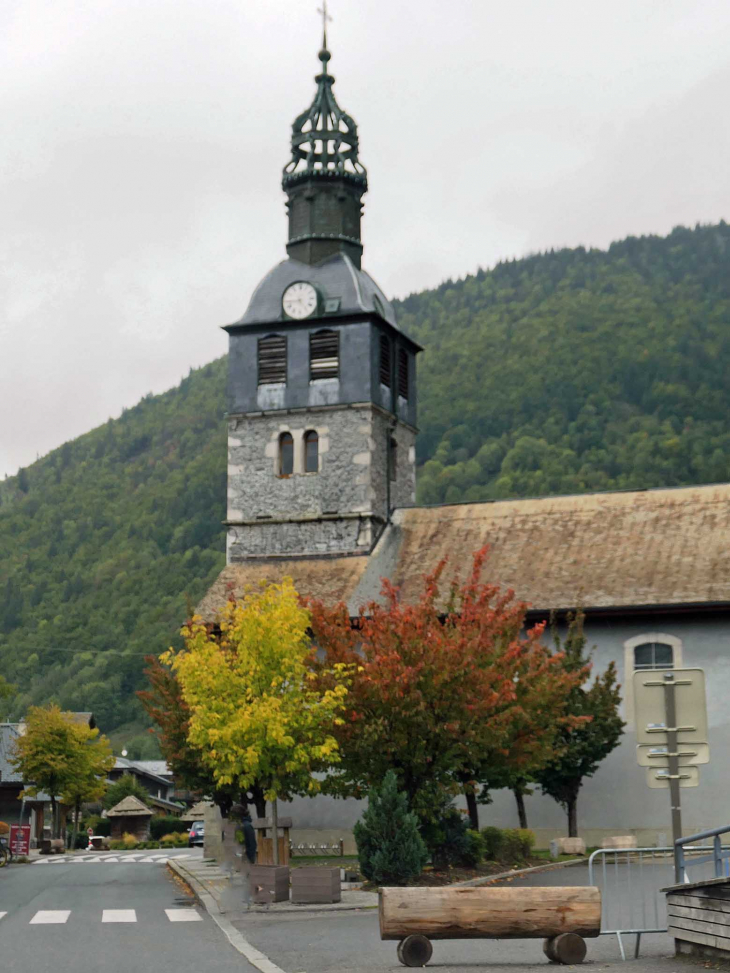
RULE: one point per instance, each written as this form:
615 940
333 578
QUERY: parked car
196 835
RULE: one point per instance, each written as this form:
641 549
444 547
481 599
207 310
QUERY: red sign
89 831
20 839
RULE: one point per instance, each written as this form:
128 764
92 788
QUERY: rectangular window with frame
385 361
324 355
272 360
403 373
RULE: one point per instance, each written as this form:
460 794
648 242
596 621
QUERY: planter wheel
568 948
415 950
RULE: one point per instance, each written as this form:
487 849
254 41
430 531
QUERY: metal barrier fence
720 856
336 849
630 880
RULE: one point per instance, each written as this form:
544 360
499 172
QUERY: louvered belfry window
385 367
324 354
403 373
272 359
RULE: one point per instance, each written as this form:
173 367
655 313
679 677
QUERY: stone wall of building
341 508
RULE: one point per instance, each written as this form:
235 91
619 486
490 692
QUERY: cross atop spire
325 17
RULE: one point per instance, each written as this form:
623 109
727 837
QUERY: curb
514 872
239 942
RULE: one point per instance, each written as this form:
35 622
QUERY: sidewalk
231 898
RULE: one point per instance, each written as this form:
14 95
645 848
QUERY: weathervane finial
325 17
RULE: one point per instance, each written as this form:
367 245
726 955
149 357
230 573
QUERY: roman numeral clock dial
299 300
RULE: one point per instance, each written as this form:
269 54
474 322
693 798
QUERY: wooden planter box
315 885
269 883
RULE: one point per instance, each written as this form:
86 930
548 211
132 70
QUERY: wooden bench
563 917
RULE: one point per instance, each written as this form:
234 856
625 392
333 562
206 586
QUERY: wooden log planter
563 917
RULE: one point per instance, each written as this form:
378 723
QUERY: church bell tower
321 380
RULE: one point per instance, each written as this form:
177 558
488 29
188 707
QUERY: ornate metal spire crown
324 138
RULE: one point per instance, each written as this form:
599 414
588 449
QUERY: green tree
7 691
389 846
92 761
255 715
47 755
585 746
127 786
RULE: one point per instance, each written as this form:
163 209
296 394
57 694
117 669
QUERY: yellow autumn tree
256 715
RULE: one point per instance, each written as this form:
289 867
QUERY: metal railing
336 849
631 880
625 876
720 853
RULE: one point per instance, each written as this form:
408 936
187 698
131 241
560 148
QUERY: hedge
167 825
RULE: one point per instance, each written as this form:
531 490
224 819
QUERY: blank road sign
689 777
657 755
650 705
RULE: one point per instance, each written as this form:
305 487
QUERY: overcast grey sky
141 146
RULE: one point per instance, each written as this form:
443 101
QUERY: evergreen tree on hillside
563 372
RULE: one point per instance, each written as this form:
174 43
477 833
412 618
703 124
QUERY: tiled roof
668 547
141 768
330 579
129 806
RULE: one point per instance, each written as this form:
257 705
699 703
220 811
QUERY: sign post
671 734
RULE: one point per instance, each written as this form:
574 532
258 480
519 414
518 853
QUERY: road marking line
50 917
148 859
119 915
43 861
106 860
2 914
183 915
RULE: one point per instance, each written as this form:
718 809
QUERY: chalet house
155 777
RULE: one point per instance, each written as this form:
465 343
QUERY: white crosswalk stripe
183 915
50 917
152 859
119 915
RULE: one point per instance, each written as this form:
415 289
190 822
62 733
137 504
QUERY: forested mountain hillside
578 370
563 372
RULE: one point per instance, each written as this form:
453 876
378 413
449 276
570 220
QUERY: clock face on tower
299 300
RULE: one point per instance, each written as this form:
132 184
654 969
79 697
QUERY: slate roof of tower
335 277
667 547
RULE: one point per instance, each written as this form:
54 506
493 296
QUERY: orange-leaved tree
441 689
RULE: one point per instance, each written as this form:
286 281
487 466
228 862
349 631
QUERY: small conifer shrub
389 846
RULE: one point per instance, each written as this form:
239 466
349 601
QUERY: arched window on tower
286 454
272 359
311 452
385 361
403 373
324 354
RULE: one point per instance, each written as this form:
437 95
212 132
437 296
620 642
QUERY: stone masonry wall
352 479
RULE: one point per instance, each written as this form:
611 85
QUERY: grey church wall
617 799
244 394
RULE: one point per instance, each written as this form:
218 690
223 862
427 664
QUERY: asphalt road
350 942
84 917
